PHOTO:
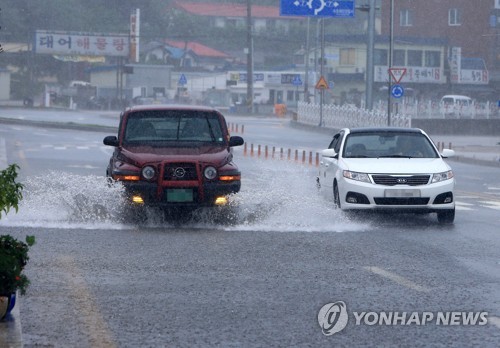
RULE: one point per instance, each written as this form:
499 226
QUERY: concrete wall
458 127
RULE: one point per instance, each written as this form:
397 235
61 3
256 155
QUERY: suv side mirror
110 140
236 141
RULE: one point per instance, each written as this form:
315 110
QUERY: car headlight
148 172
210 172
442 176
356 176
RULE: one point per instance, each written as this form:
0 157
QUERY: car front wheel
446 216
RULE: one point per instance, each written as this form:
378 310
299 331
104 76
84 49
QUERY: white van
456 106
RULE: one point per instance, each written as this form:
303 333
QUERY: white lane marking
84 166
495 321
463 206
490 204
493 188
397 279
60 147
83 147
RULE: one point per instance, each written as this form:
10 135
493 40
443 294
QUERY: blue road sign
317 8
182 80
397 91
297 81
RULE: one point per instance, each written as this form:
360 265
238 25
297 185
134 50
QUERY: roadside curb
60 125
472 160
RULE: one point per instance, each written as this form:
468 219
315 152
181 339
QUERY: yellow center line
98 332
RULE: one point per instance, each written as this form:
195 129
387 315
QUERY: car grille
391 180
180 172
401 201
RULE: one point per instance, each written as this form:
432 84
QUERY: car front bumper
153 194
421 198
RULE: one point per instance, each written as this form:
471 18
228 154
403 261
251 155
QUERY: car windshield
388 144
160 126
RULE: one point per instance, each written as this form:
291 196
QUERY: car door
328 164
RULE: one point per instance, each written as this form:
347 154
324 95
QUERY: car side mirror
329 153
236 141
447 153
110 140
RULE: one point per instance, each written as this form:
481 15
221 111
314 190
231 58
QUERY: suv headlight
210 173
357 176
148 172
442 176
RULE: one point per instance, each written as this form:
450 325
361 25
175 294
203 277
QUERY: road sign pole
391 42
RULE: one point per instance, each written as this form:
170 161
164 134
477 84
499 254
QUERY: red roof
197 48
227 10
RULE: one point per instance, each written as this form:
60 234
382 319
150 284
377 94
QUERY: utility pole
321 67
370 54
306 73
249 58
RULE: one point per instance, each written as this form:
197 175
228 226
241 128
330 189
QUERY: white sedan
394 169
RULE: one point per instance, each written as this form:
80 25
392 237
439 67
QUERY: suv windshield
177 125
388 144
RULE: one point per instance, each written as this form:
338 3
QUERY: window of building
432 59
347 56
290 95
414 58
399 58
406 18
454 16
380 57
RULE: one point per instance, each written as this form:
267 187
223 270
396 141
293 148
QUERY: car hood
150 154
396 165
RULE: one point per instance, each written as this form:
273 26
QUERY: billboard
86 44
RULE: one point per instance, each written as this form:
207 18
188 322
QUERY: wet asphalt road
259 281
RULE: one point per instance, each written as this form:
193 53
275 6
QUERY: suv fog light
221 201
137 199
448 199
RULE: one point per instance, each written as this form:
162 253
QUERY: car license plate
179 195
402 193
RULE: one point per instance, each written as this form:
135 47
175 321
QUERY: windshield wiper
395 156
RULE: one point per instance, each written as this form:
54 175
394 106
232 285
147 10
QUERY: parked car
391 169
173 156
456 106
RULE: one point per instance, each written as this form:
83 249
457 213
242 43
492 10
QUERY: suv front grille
391 180
180 172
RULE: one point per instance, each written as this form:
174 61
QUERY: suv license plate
179 195
402 193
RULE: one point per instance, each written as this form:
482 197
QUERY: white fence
337 117
433 109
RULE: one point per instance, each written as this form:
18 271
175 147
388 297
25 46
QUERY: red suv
174 156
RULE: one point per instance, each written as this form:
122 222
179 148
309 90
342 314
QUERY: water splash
275 196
